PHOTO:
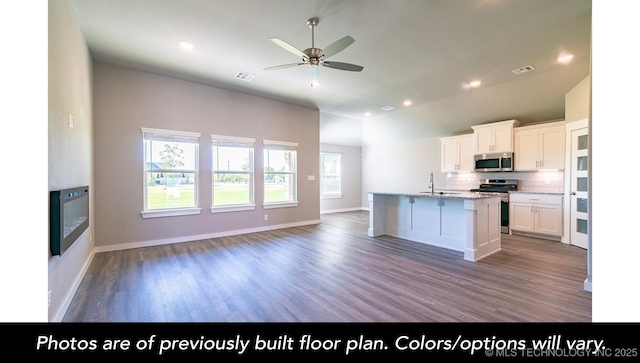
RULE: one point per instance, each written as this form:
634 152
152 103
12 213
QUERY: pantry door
579 187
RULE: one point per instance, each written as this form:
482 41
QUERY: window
330 175
232 173
170 173
280 174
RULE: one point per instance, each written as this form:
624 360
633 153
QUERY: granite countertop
449 194
530 192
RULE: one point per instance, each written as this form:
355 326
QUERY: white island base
464 222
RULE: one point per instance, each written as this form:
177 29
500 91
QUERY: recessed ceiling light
186 45
475 83
565 58
407 103
367 114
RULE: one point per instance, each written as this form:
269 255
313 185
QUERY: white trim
279 143
330 196
232 208
569 127
147 130
588 285
329 211
170 212
244 140
280 205
165 241
66 302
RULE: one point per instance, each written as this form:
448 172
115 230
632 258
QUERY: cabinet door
526 150
483 141
465 154
449 155
502 139
551 149
521 217
548 219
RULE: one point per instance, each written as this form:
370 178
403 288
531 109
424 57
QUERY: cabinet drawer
535 198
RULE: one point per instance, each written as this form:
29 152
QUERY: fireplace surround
68 217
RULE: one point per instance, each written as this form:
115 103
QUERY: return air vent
244 76
387 108
524 69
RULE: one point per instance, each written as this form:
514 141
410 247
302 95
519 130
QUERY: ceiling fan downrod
312 24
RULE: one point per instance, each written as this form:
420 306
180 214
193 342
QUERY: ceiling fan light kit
315 57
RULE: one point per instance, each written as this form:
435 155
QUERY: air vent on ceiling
524 69
387 108
244 76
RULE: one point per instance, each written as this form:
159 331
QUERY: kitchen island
465 222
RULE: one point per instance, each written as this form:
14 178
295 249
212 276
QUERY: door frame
566 236
569 127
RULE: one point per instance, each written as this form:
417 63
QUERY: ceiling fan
314 57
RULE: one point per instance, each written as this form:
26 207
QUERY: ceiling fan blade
343 66
289 47
283 66
336 47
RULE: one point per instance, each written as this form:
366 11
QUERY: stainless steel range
499 187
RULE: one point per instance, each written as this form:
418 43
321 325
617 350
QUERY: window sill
170 212
280 205
331 196
232 208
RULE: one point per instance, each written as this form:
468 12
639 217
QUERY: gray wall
126 100
351 180
400 166
70 149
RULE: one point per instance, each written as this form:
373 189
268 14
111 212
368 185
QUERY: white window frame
330 195
240 142
148 133
281 145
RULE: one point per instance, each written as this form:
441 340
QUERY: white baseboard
165 241
342 210
59 315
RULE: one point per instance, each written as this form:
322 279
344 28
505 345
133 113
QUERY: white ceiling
423 50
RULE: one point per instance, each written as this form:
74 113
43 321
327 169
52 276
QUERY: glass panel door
579 187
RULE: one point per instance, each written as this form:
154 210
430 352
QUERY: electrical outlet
547 181
49 299
70 121
266 217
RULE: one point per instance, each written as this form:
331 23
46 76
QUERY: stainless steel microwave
493 162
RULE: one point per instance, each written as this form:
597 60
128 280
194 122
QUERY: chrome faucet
431 182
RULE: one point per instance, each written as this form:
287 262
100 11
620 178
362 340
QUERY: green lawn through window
182 196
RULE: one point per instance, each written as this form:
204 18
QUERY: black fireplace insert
68 217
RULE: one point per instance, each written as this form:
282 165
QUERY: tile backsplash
528 181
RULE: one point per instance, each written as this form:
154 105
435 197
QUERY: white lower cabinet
536 213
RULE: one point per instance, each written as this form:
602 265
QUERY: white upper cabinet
456 153
537 148
495 137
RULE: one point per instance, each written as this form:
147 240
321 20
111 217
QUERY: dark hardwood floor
333 272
